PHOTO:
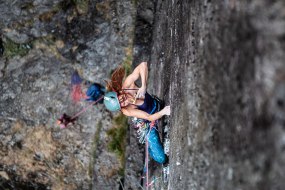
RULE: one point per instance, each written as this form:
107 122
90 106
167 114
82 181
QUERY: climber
82 90
130 99
136 102
65 120
85 90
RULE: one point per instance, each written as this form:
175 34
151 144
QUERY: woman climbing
136 102
127 97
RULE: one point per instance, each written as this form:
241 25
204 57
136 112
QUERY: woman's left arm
143 115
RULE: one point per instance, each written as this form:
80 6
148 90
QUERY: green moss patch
27 6
82 6
12 49
117 135
94 147
47 16
79 7
103 8
127 64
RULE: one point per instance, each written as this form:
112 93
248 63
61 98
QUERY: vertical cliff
42 43
220 65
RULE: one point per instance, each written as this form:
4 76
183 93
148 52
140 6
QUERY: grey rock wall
220 65
135 152
43 43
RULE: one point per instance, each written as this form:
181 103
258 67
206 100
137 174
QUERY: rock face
219 64
135 156
42 43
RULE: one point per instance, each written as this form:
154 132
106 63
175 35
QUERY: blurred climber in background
81 90
85 90
136 102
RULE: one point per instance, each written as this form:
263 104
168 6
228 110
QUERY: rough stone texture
35 90
221 64
135 152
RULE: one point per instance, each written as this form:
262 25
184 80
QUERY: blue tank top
149 105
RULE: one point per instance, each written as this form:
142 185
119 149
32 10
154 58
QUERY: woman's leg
155 147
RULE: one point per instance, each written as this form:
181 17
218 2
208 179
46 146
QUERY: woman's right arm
141 71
